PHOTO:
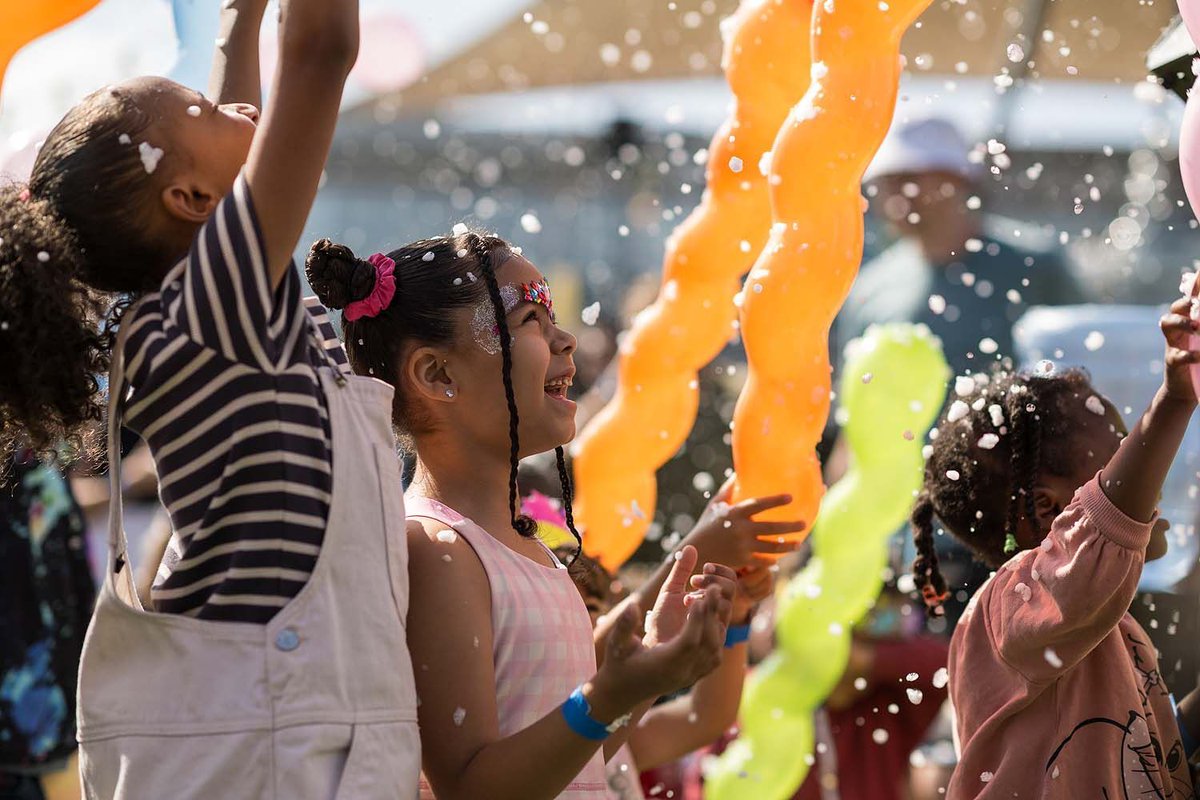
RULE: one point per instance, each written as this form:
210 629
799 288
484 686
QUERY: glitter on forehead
483 322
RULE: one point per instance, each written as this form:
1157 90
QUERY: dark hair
71 238
980 493
433 278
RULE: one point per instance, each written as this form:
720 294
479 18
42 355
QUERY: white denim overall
319 703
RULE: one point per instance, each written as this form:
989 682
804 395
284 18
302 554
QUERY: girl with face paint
512 703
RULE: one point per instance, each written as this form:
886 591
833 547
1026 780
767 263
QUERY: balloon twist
1189 153
618 454
801 279
892 389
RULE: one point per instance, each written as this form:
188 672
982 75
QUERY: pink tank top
541 637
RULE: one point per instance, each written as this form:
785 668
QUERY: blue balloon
197 23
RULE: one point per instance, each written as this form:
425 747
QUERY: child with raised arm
273 663
1055 687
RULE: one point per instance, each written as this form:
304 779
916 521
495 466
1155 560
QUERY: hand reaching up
729 534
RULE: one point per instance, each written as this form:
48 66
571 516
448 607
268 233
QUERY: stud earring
449 393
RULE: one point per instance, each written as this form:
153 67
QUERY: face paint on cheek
483 322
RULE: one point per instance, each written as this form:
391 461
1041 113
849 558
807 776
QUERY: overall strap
118 544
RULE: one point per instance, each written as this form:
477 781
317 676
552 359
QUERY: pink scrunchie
381 295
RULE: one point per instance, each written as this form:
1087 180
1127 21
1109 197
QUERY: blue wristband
578 715
736 634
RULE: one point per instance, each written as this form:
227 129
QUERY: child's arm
672 730
1048 608
235 72
450 638
317 47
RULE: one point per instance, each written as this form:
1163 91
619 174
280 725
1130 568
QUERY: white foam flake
43 257
735 165
964 386
985 776
1094 341
1095 405
459 229
428 256
958 410
193 111
590 314
915 696
937 304
1023 591
530 223
941 678
997 414
988 441
151 155
447 536
879 735
1052 658
953 474
460 714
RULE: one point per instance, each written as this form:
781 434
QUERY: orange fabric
22 22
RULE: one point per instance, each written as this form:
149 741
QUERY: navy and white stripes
225 392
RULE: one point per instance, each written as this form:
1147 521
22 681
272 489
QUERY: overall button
287 640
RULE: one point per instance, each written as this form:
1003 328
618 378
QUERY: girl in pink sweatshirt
1056 688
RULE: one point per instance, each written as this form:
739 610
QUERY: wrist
605 699
1166 400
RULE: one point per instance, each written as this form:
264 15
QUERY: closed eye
530 317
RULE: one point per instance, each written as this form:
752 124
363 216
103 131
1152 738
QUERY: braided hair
988 450
434 277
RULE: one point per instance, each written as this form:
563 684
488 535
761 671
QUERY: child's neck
478 490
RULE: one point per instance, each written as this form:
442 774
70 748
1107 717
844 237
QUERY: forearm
1189 715
537 762
672 730
235 73
1133 479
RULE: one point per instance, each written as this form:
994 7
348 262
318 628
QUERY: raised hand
1178 327
755 584
729 534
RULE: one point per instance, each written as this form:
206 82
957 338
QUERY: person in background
966 274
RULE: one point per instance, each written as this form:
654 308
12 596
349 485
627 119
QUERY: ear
187 202
427 374
1047 505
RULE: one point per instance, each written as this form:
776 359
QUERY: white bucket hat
929 144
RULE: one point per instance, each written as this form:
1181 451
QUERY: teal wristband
736 634
578 715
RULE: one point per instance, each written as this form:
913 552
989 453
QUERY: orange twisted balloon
22 21
796 287
617 455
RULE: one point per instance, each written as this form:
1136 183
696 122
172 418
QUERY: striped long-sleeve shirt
224 389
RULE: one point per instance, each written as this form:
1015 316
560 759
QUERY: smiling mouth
558 387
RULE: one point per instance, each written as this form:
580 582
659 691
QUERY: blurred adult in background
967 275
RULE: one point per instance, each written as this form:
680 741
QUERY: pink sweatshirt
1056 688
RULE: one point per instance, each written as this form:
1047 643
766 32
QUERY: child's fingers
622 633
727 585
1182 306
726 491
756 505
775 546
720 570
1178 323
764 528
1178 358
685 564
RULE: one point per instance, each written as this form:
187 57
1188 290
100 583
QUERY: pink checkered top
541 634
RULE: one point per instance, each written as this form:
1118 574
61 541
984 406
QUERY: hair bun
338 276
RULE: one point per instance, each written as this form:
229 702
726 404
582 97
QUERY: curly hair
433 278
73 244
989 448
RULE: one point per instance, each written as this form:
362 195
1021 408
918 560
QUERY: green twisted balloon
892 388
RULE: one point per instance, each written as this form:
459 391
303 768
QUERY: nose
564 343
246 110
